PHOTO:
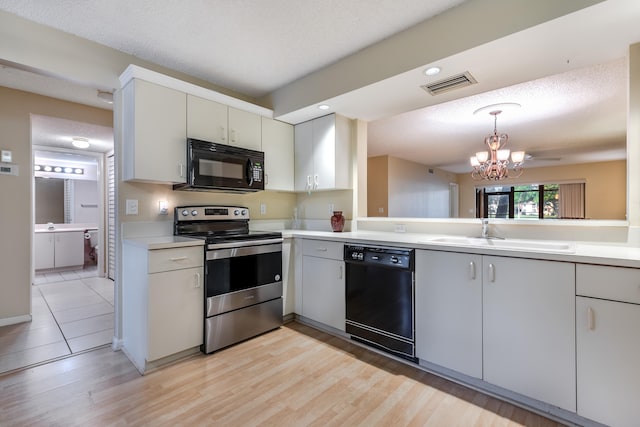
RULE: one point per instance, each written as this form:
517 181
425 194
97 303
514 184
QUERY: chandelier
494 164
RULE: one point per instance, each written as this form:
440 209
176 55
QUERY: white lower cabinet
44 251
323 291
608 344
449 310
529 328
162 302
58 249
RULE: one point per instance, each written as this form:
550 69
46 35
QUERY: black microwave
220 167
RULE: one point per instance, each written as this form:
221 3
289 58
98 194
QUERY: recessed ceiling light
80 142
432 71
323 107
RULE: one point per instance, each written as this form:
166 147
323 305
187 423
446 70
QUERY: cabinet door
277 144
154 132
69 249
245 129
175 312
449 310
529 328
206 120
43 250
324 153
303 135
323 298
608 345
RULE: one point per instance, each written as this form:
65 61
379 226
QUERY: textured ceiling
569 74
250 46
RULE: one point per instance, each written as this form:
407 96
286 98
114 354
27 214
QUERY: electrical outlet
263 208
331 208
381 210
401 228
131 207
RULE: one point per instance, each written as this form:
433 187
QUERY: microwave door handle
249 173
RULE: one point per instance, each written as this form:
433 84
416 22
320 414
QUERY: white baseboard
16 319
116 344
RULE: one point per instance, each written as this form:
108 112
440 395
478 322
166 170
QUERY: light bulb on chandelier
494 164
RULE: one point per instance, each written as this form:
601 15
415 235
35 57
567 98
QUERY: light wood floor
295 376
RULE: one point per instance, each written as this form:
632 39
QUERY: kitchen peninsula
543 323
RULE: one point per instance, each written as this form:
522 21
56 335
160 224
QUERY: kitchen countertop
61 228
164 242
580 252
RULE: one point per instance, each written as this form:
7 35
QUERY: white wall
85 202
417 191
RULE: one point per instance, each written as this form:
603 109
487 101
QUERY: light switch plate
263 208
7 156
131 207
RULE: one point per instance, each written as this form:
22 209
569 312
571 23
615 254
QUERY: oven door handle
245 243
215 252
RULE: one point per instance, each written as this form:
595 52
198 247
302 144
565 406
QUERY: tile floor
72 311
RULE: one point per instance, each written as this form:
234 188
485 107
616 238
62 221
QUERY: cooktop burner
217 224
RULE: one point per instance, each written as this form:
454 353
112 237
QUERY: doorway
72 300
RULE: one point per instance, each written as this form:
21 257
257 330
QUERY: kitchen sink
515 244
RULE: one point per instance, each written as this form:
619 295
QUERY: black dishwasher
380 298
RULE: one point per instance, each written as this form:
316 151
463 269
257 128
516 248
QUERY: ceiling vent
450 83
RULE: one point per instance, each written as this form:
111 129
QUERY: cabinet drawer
175 259
323 249
613 283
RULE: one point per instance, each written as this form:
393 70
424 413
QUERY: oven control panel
208 213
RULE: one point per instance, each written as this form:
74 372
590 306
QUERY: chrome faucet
485 228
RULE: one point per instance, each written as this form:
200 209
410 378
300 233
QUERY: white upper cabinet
245 129
207 120
277 144
303 135
323 154
211 121
154 132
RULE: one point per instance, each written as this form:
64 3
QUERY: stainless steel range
243 273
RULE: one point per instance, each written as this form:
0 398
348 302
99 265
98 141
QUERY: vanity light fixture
58 169
432 71
493 165
80 142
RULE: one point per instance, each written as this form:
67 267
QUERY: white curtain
571 200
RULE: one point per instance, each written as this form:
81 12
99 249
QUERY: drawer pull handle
591 319
179 258
321 249
340 274
492 273
472 270
197 285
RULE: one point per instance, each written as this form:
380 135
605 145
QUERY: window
531 201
